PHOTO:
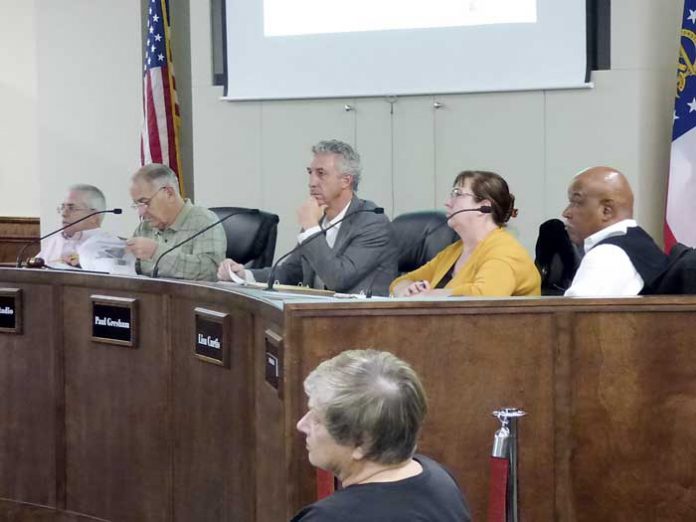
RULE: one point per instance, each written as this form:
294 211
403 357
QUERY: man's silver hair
350 160
158 176
93 197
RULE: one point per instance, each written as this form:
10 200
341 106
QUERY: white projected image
295 49
304 17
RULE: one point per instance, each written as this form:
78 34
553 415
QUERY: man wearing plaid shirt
168 219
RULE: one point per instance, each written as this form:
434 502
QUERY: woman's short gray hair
350 160
158 175
371 399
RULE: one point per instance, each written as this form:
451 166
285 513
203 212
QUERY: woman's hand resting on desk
411 288
422 288
227 266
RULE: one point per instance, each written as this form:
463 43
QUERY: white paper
234 277
106 255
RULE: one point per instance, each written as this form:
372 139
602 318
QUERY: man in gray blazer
356 255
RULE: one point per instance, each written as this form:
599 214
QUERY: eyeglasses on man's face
69 208
145 202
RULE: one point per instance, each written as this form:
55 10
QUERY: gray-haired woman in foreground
365 412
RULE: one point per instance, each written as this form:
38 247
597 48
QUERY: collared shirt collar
338 217
82 234
617 229
181 216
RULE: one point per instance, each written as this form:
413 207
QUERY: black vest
647 258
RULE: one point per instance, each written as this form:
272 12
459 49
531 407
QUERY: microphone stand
485 209
155 268
21 252
271 274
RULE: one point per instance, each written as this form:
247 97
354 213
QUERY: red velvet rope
325 483
497 493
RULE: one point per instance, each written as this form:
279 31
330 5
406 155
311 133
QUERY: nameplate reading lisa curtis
212 342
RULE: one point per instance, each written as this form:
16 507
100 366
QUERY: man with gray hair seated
167 219
80 201
356 255
366 409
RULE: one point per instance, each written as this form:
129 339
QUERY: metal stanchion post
505 446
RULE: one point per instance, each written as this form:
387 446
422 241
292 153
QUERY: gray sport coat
364 256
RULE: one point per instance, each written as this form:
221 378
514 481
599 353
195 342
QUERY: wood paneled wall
13 511
15 232
152 434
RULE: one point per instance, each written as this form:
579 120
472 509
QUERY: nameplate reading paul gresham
114 320
11 310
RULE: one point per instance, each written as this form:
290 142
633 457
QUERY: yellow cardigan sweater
498 266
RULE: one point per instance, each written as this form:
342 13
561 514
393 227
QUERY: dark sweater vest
647 258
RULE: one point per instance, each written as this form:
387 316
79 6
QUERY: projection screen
284 49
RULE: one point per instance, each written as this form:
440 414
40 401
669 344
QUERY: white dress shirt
56 248
606 270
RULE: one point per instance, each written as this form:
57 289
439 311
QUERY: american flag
159 140
680 217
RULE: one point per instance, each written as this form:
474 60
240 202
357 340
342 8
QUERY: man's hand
142 247
227 266
310 213
71 259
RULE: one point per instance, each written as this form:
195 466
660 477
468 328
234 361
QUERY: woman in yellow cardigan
488 260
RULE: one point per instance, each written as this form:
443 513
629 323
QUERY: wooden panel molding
15 232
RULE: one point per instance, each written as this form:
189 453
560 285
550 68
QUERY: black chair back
421 236
680 276
557 259
251 238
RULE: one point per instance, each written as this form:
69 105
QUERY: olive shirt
196 260
499 266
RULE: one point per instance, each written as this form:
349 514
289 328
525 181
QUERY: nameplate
11 310
212 336
114 320
274 361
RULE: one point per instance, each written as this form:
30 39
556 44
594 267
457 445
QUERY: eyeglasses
145 202
69 208
457 192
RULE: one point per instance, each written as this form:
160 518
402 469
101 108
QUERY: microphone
155 269
19 256
271 275
484 209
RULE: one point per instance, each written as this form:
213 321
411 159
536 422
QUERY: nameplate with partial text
11 310
212 336
274 361
114 320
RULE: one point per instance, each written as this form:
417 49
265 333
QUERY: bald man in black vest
621 259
